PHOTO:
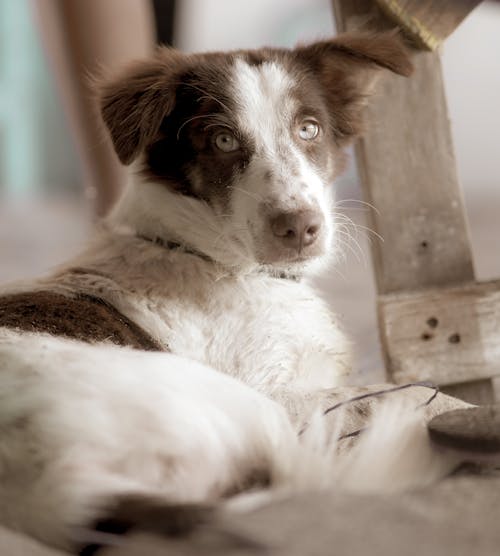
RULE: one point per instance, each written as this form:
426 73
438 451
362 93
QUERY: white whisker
365 203
219 122
373 232
207 95
356 226
187 122
358 256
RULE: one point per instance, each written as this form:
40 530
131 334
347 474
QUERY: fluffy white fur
242 324
266 112
80 423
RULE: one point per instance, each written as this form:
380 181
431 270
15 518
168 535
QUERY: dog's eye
226 142
308 130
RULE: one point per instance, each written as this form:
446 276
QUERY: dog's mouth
289 266
287 261
274 254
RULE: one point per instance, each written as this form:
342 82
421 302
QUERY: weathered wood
448 335
479 392
408 174
428 22
475 430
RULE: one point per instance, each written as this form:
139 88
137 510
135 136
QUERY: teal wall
36 154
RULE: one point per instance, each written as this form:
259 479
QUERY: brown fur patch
131 513
171 107
145 513
346 67
82 317
134 106
254 479
154 514
184 156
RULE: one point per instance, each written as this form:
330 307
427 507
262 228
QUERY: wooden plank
447 335
428 22
478 392
475 430
408 174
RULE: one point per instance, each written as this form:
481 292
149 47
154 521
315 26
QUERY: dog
171 365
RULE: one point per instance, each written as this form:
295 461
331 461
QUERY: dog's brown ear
134 105
347 67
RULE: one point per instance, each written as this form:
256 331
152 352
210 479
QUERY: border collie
179 360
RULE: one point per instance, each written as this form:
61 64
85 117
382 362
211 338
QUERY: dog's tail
392 453
388 452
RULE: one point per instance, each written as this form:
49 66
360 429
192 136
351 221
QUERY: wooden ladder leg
408 173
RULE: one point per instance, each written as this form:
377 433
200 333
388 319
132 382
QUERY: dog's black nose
297 229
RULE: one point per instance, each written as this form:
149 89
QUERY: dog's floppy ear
134 105
347 67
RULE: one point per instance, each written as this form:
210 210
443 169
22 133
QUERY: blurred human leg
82 37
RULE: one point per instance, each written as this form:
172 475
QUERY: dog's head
250 140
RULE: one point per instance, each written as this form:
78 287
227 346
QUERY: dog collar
174 245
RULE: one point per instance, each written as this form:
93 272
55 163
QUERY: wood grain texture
408 173
473 429
447 335
428 22
479 392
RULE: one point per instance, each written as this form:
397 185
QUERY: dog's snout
297 229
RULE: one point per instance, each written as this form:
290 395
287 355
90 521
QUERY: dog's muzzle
297 230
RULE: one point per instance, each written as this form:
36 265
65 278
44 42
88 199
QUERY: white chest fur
269 332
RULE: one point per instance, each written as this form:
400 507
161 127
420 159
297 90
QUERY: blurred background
48 197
